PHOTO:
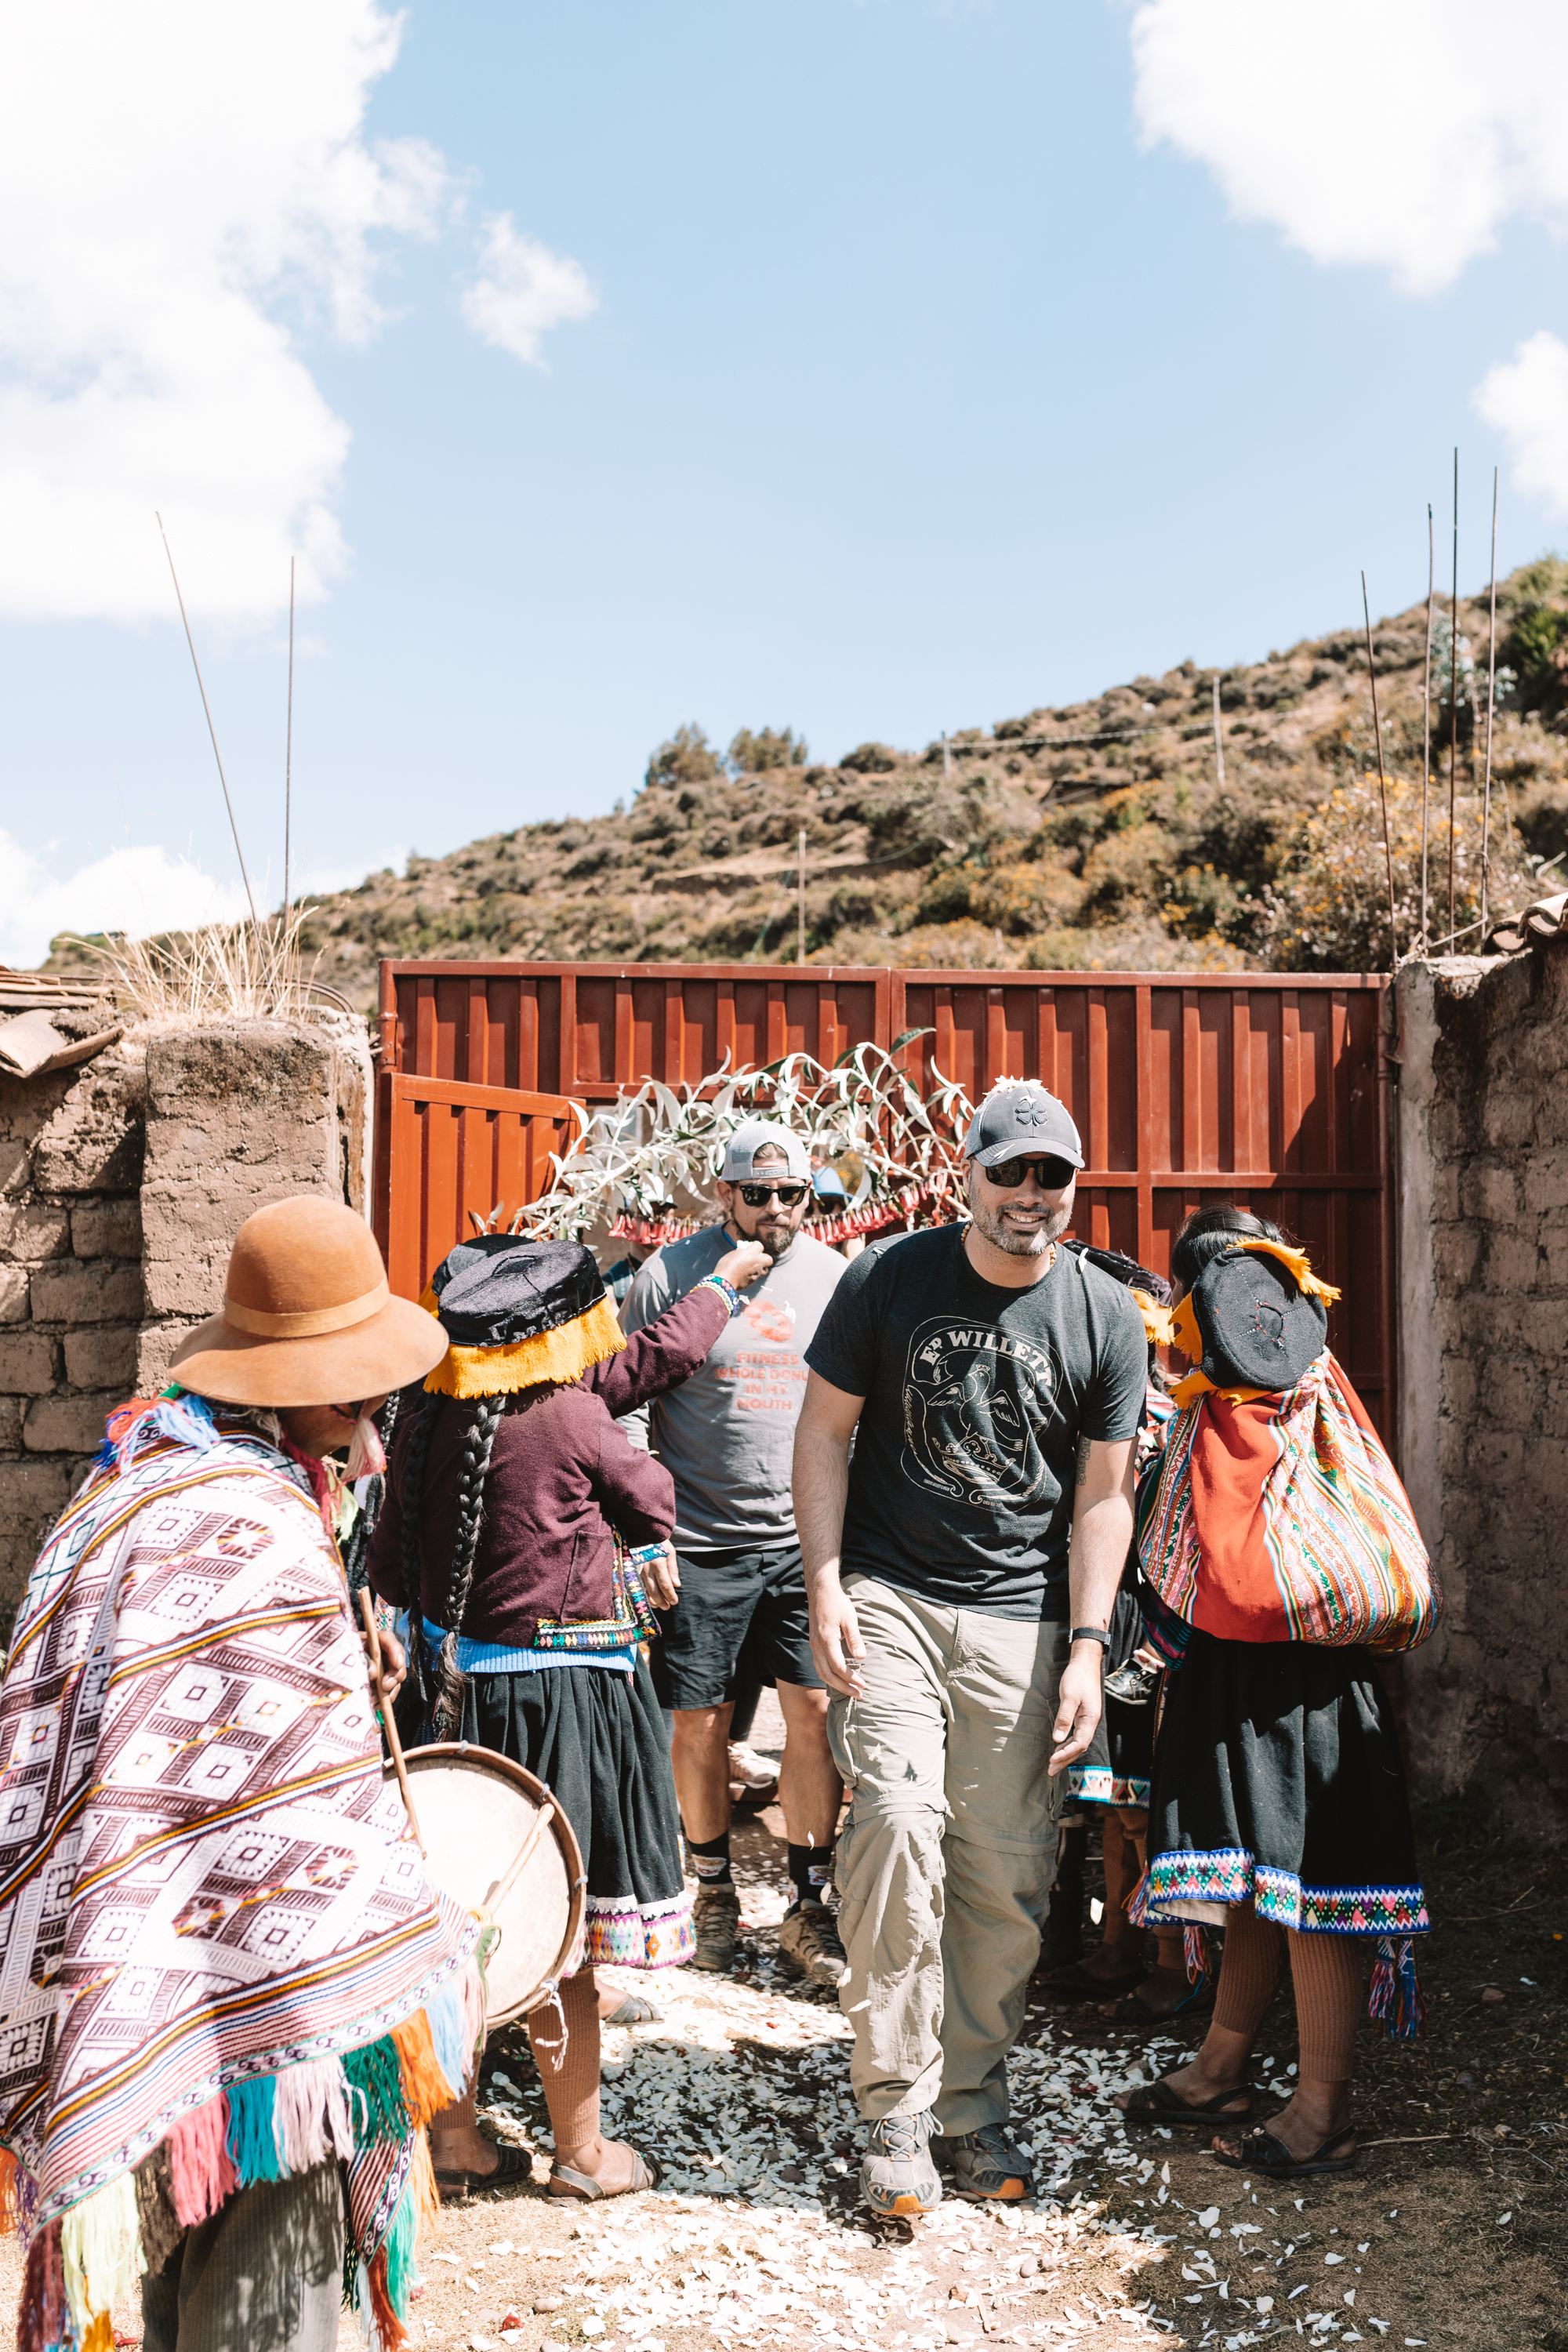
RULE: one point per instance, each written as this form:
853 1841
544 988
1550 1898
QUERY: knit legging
1326 1972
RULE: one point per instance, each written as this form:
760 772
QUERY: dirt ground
1452 2232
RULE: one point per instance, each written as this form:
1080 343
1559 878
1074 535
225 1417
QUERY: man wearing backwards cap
962 1571
726 1436
223 1971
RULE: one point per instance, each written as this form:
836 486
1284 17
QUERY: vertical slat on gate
944 1045
778 1032
528 1038
623 1064
1192 1082
726 1023
476 1039
1336 1136
996 1038
1146 1079
566 1082
1241 1079
1099 1111
674 1034
827 1025
1045 1047
1289 1080
425 1026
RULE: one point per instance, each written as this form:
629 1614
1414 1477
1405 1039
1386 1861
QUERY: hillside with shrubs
1091 836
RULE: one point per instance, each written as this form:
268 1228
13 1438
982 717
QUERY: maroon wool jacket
560 1475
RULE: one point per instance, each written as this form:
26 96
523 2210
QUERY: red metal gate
1264 1088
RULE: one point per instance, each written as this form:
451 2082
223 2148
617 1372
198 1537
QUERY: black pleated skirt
597 1738
1277 1775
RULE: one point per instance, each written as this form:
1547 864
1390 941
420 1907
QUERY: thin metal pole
1382 780
212 731
800 957
1426 729
1491 698
1454 702
289 753
1218 739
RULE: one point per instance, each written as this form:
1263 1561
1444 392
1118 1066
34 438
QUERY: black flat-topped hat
1262 1322
517 1312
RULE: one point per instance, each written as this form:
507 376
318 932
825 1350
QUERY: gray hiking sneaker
897 2175
715 1923
986 2163
808 1938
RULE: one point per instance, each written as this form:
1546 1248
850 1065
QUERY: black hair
412 1498
1207 1232
472 1470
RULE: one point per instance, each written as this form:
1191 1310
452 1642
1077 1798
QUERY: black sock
710 1860
810 1873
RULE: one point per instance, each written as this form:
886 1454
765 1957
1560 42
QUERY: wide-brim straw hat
307 1315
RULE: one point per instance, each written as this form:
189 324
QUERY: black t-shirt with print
961 1481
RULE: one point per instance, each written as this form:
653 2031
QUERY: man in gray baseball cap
726 1437
962 1569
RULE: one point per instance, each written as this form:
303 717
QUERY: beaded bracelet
727 1292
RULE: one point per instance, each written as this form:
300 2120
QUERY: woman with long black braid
513 1501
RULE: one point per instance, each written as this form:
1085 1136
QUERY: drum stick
504 1885
388 1720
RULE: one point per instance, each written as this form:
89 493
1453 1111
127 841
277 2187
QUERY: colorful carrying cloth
1279 1517
218 1940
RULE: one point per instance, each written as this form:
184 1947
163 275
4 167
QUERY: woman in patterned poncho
230 1993
1279 1554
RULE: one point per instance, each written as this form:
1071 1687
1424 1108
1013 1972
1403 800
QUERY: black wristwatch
1089 1633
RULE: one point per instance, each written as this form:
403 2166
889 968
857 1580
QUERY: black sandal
1260 2151
512 2164
1132 2009
1156 2103
1074 1982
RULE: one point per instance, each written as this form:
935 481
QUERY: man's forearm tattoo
1083 1446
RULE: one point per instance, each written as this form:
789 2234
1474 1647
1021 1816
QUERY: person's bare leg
811 1787
1120 1942
1249 1974
1163 1992
699 1751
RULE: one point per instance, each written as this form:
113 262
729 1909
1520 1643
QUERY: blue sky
918 388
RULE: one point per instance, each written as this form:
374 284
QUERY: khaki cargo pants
945 1864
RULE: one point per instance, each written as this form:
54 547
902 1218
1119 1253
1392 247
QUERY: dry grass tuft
224 970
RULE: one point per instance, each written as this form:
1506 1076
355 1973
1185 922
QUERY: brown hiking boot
808 1938
715 1922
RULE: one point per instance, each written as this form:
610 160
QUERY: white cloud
1401 134
138 890
169 174
523 290
1526 398
185 189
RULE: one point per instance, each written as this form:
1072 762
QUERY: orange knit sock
1326 1972
1249 1971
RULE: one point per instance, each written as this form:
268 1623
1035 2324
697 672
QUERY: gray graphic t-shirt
961 1481
727 1434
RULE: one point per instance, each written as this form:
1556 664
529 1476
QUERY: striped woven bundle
1281 1519
220 1958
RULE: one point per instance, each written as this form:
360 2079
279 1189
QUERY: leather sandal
512 2164
1260 2151
634 2009
1156 2103
565 2182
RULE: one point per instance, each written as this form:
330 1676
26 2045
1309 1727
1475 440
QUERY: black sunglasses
788 1196
1051 1175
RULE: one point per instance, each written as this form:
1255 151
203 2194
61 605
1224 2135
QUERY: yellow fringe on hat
1156 1319
1295 1262
1197 1384
561 1355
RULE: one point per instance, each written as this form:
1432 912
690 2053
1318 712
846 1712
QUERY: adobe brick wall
1483 1273
121 1186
